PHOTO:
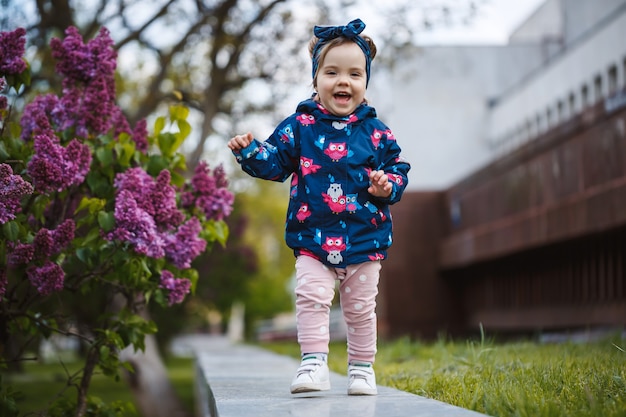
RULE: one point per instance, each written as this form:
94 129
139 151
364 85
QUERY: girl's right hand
239 142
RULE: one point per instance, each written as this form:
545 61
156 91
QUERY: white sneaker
361 380
312 375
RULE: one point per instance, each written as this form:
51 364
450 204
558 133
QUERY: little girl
346 170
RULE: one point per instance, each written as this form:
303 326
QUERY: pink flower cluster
46 243
47 278
209 192
11 52
11 62
45 275
146 216
177 287
89 81
12 189
54 167
87 104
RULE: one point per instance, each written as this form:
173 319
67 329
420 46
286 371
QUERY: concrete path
235 380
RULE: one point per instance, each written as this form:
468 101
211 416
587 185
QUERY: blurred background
512 114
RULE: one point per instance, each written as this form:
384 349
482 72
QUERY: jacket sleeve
276 158
396 167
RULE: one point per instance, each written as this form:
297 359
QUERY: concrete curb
235 380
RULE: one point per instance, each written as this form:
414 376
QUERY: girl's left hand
379 184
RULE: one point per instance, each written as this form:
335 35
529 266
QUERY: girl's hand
239 142
379 184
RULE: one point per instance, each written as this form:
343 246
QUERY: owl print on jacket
336 151
334 246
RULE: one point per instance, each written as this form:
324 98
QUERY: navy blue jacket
331 216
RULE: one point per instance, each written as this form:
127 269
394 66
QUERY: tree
230 61
91 208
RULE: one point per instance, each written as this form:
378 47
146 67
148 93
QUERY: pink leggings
358 287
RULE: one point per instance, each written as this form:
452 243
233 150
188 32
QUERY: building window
584 97
560 109
613 79
597 86
530 129
571 101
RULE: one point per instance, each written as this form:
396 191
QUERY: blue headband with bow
350 31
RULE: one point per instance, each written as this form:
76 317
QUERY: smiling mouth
342 96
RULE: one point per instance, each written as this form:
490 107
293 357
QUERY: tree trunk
153 392
83 388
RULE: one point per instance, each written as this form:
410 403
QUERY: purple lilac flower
47 278
140 135
21 254
46 165
135 180
55 168
36 117
63 234
12 189
77 161
11 52
89 83
119 122
177 287
209 192
43 243
80 62
163 202
136 226
182 247
157 198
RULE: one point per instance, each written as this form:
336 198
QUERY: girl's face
341 79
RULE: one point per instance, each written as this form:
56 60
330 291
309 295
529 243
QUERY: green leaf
125 152
156 164
106 220
159 124
105 156
184 129
215 231
105 351
15 130
99 184
179 112
11 231
93 204
84 254
4 155
167 143
177 179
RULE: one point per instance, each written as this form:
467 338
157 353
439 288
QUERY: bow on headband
350 31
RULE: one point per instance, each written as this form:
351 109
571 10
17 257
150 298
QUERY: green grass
43 382
521 379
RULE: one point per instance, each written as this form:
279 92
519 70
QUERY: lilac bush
92 207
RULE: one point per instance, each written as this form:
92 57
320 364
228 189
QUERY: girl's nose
343 79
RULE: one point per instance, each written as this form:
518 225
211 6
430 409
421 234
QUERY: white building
456 108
